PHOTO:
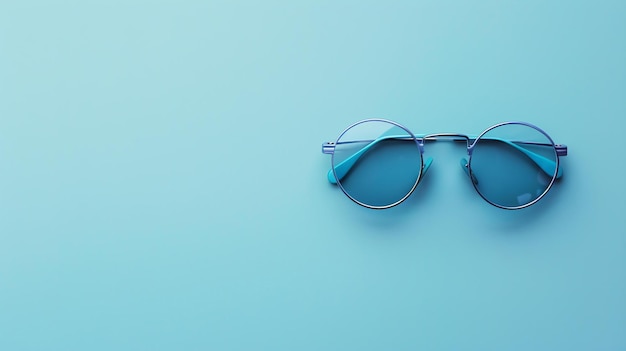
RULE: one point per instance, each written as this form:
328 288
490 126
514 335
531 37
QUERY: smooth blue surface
162 187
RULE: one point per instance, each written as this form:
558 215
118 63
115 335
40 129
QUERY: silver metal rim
554 176
417 180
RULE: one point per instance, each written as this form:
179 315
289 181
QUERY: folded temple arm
546 165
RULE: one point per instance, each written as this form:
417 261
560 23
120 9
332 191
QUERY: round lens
377 163
513 165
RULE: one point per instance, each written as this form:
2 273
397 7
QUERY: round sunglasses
378 163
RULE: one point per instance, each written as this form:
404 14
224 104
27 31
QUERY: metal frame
330 146
559 149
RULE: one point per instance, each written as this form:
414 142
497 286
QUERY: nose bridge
454 137
457 137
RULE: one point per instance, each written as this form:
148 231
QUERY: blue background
162 185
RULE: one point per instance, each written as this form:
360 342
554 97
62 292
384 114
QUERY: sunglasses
378 163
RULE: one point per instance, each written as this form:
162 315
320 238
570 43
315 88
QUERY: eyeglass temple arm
546 164
344 167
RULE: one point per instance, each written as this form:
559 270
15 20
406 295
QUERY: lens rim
417 180
552 181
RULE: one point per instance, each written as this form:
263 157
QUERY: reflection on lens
377 163
513 165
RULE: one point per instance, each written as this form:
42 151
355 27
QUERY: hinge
328 148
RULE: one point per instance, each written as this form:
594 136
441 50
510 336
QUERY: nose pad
427 163
465 166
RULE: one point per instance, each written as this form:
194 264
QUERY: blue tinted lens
513 165
378 163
